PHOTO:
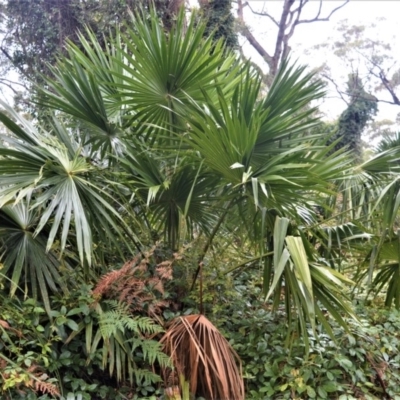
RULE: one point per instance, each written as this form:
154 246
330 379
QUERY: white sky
357 12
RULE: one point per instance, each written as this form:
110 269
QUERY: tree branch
250 37
21 70
296 11
388 87
340 93
10 82
295 23
263 14
286 24
317 19
2 82
281 36
385 82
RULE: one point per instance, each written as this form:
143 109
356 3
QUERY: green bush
84 348
363 364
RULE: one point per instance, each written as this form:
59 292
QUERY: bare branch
10 82
295 23
388 102
389 88
250 37
317 19
9 85
297 11
385 82
289 19
263 14
320 9
340 93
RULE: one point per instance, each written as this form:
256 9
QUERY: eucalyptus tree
284 25
167 133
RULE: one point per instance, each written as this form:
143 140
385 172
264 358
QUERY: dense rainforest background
179 222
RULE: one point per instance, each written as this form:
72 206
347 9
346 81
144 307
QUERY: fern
124 339
144 377
136 286
152 352
119 319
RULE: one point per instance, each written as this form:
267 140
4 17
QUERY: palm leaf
142 81
204 357
183 196
24 256
241 141
69 193
309 286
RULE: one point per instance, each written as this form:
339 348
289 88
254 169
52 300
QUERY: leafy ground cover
38 353
363 363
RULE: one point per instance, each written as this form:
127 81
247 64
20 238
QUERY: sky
309 35
306 36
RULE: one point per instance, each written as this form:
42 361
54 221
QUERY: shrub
362 364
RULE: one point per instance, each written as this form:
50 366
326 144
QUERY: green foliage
24 255
363 363
220 21
361 107
72 198
167 135
38 350
37 31
36 34
185 163
388 143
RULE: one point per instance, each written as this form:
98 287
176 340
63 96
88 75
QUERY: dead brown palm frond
204 357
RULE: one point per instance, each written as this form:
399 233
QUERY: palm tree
171 133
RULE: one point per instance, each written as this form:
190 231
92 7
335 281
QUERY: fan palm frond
249 145
23 254
66 186
204 357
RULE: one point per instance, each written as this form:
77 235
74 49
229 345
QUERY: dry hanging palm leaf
205 358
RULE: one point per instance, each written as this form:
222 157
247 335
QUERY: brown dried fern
4 324
107 281
136 286
37 380
47 388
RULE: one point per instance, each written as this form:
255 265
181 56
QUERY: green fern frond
124 341
118 319
147 325
152 351
146 377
